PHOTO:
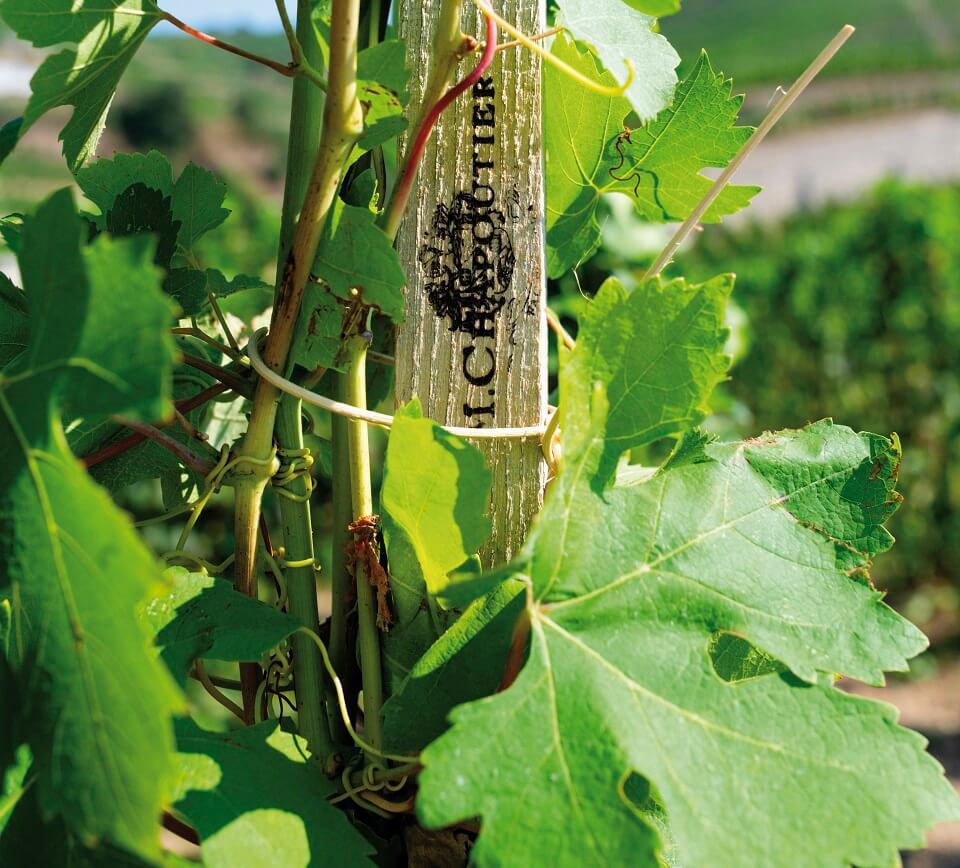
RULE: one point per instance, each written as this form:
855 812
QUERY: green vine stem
341 581
302 593
359 454
342 125
306 112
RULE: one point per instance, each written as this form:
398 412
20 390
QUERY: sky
227 14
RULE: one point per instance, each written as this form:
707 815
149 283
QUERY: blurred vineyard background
848 292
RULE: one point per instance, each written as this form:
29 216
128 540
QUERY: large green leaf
591 151
435 497
204 617
619 34
31 840
96 701
631 678
106 35
355 253
256 801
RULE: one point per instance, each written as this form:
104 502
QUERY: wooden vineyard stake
473 343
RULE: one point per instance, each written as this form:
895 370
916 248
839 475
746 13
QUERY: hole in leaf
735 659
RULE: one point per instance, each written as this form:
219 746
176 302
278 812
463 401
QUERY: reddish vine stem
127 443
237 383
398 201
265 536
283 68
187 457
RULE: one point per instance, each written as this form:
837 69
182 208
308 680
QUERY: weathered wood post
473 345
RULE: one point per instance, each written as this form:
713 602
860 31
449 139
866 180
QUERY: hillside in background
184 97
773 40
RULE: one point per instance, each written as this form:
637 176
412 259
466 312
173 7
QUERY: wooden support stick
473 344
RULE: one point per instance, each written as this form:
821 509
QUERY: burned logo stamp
468 261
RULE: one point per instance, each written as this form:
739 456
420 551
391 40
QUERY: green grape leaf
9 135
653 572
106 35
465 663
620 35
319 333
256 801
198 204
74 569
865 500
103 180
136 194
223 288
435 497
436 492
244 297
10 229
386 64
633 591
205 618
590 151
382 77
14 326
656 8
30 839
659 353
188 287
355 253
228 422
194 200
139 209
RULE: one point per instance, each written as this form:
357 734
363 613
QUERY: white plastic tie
372 416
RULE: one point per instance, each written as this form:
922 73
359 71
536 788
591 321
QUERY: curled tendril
295 464
363 794
618 147
273 565
181 558
566 69
342 703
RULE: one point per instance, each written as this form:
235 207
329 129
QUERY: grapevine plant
650 680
